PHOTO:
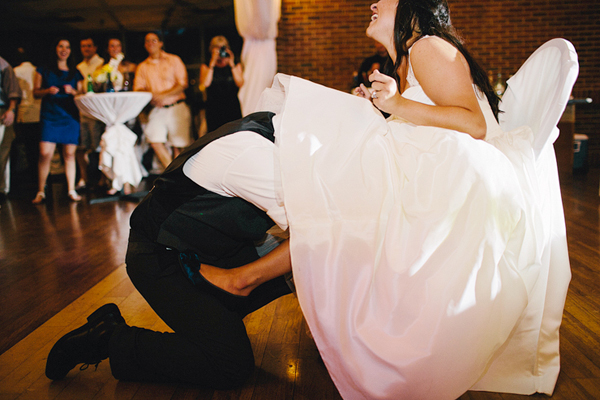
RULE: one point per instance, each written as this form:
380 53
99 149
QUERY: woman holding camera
221 79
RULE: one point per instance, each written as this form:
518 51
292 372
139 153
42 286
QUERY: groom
211 205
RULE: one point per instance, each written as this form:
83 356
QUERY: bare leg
70 170
241 281
127 188
70 164
177 151
162 153
203 128
45 157
83 161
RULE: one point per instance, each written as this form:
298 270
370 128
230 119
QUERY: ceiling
112 15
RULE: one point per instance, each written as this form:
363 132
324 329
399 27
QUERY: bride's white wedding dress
414 248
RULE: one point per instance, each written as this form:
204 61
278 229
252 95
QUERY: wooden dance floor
61 260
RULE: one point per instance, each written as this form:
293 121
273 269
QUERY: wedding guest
91 128
10 95
27 126
370 65
57 84
381 58
166 77
125 67
126 72
370 69
91 59
222 78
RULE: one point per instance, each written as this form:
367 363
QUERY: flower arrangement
100 76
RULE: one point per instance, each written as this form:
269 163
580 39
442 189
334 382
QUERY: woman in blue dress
56 85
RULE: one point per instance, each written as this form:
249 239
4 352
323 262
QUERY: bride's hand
362 91
384 91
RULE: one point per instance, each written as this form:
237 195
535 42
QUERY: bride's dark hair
432 17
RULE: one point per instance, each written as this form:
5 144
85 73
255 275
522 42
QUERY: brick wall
324 41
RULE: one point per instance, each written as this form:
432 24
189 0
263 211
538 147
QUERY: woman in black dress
222 78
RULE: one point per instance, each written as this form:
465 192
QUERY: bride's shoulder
430 47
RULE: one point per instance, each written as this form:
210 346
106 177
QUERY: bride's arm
445 78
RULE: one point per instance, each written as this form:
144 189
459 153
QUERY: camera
223 52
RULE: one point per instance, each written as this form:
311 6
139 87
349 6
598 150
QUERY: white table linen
118 160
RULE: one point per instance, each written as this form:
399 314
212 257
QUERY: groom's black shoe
87 344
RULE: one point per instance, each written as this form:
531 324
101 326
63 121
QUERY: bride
411 238
439 73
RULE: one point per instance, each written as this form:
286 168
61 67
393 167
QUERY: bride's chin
369 31
371 34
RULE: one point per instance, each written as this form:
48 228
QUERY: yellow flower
101 74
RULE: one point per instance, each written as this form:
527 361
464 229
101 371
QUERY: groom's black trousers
209 346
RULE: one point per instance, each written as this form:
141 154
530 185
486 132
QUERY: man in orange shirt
165 76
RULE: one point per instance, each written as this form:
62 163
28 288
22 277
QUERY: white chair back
538 93
536 96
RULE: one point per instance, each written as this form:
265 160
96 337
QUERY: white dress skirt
413 248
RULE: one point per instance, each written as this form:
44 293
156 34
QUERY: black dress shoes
87 344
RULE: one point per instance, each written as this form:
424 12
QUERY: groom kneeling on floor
213 205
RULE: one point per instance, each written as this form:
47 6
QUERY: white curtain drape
256 22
